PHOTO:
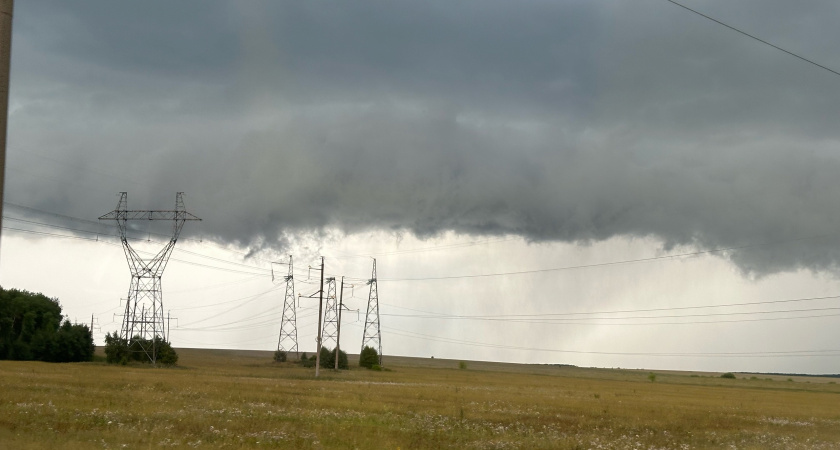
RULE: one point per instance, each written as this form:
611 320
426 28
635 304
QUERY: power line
213 258
792 353
604 264
620 311
113 227
215 286
32 222
78 219
754 37
249 298
44 233
98 234
696 322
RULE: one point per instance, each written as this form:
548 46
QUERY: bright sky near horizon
591 183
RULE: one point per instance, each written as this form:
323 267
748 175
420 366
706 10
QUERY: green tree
71 343
116 349
32 328
368 358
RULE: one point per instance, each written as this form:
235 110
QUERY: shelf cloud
554 121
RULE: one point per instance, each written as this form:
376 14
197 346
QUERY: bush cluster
327 359
32 328
121 351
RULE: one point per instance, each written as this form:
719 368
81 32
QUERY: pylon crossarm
148 215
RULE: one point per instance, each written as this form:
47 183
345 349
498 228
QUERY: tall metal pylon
288 341
372 335
143 322
330 315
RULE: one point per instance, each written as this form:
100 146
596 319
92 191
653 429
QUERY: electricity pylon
330 315
288 341
143 322
372 334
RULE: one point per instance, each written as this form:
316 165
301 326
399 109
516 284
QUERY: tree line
32 328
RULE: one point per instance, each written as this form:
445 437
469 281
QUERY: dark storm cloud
570 121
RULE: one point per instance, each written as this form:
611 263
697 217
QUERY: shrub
728 375
368 357
326 362
307 362
116 349
279 356
166 355
462 365
652 377
120 351
328 359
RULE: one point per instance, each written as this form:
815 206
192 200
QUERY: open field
235 399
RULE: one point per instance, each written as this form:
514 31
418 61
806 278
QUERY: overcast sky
498 136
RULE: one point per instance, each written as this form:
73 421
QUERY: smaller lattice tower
330 315
372 336
288 341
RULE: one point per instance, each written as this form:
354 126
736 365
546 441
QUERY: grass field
236 399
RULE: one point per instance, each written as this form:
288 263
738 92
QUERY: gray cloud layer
572 121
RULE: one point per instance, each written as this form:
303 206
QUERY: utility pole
372 333
145 292
6 11
94 326
320 314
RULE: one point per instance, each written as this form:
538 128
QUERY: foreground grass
241 399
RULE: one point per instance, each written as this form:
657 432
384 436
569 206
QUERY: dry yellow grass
230 399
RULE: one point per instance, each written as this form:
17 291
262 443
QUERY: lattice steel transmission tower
143 322
330 315
288 341
372 333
